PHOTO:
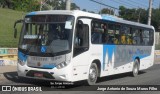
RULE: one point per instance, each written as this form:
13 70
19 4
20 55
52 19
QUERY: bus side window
141 37
117 35
81 40
129 36
123 35
111 33
97 31
136 39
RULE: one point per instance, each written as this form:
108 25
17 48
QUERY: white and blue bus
74 45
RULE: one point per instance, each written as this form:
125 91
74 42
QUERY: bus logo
43 49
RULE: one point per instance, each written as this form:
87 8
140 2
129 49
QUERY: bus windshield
47 34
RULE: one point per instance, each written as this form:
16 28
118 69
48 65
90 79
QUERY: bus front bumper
43 74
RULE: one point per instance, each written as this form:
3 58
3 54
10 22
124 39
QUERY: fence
157 53
8 56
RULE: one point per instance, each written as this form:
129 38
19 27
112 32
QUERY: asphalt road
150 76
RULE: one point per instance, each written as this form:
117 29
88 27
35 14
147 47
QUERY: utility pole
139 15
68 4
41 5
150 12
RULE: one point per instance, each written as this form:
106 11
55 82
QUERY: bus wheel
135 68
93 74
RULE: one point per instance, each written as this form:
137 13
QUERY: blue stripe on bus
22 56
108 49
49 66
32 13
108 17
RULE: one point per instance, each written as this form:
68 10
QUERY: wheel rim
136 69
93 74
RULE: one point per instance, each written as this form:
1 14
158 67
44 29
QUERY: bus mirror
15 29
15 32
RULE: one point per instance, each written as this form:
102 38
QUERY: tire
135 70
93 74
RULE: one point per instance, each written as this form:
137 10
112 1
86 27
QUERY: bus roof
79 13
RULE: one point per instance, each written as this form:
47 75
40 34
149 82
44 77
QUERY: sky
92 6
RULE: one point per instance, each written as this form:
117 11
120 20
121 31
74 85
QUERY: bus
63 45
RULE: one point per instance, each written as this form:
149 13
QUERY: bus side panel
116 59
80 66
149 60
120 58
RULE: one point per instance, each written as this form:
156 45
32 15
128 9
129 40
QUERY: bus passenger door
81 49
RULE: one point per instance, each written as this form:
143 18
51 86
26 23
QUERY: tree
107 11
26 5
84 10
91 11
34 5
140 15
54 4
133 14
57 5
74 6
6 3
156 19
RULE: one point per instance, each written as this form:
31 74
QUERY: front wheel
93 74
135 68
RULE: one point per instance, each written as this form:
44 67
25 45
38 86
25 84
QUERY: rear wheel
93 74
135 70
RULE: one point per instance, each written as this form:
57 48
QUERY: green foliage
21 5
8 17
140 15
156 19
58 5
84 10
133 14
107 11
26 5
34 5
6 3
74 6
157 47
53 4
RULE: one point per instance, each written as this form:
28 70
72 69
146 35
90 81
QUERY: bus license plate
38 74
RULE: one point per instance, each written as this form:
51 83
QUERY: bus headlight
21 62
62 65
